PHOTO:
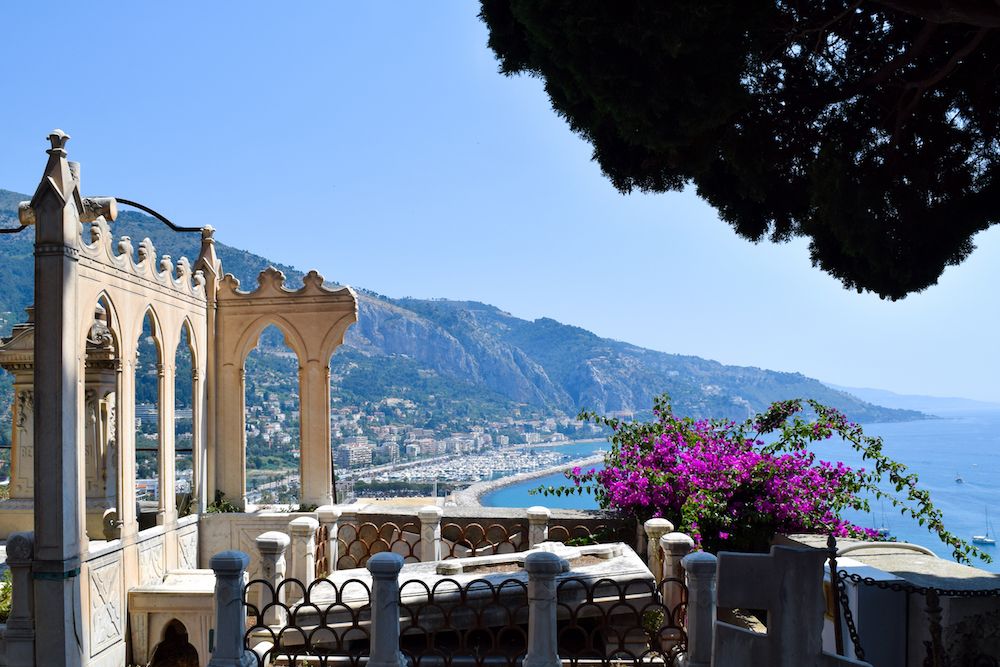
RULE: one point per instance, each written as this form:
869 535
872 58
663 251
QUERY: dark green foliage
6 592
866 129
221 505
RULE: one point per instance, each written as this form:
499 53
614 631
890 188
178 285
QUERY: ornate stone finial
58 139
271 277
208 233
147 251
125 246
313 279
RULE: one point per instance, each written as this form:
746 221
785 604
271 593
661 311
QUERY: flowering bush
731 490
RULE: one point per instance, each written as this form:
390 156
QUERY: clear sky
376 143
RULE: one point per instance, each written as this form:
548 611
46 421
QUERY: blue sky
376 143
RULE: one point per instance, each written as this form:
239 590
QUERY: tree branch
980 13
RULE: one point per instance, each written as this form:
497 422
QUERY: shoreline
471 495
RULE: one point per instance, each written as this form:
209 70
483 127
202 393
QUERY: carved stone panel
24 446
105 605
187 548
151 561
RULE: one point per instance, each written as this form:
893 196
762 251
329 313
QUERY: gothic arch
313 320
293 339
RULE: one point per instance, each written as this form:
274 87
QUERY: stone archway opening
102 378
174 650
185 482
273 449
148 370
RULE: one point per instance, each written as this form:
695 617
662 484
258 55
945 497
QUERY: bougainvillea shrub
734 486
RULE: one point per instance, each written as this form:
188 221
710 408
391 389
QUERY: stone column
230 612
303 532
329 517
385 567
655 529
430 533
675 547
314 411
271 547
168 460
58 357
21 622
542 568
701 569
126 445
207 431
538 525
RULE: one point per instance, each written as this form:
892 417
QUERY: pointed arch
293 339
157 329
113 318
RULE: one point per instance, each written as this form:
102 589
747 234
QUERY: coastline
471 495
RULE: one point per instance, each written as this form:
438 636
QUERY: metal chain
845 604
903 587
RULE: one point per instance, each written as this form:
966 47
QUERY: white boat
883 531
985 539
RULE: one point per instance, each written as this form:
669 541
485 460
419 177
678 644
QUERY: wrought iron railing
474 623
612 622
359 542
451 623
326 622
464 539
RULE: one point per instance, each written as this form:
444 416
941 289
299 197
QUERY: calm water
965 445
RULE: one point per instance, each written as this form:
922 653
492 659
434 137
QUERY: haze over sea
962 444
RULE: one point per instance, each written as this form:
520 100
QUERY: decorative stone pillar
21 622
168 459
655 529
57 207
538 525
675 547
701 569
271 547
542 568
385 567
315 462
430 533
303 532
230 612
329 517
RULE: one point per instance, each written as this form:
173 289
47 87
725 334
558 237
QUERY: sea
955 456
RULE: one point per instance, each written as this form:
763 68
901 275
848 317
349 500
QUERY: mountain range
466 352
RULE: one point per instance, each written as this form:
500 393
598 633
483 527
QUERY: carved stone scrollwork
147 251
25 408
183 269
98 207
125 246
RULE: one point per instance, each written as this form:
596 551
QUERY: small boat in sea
985 539
883 530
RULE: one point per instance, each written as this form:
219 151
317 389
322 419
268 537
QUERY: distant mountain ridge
938 405
423 349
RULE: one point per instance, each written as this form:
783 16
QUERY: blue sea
959 445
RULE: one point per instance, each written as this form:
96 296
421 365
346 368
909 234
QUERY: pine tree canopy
868 127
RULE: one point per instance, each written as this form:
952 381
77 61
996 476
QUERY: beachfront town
379 448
